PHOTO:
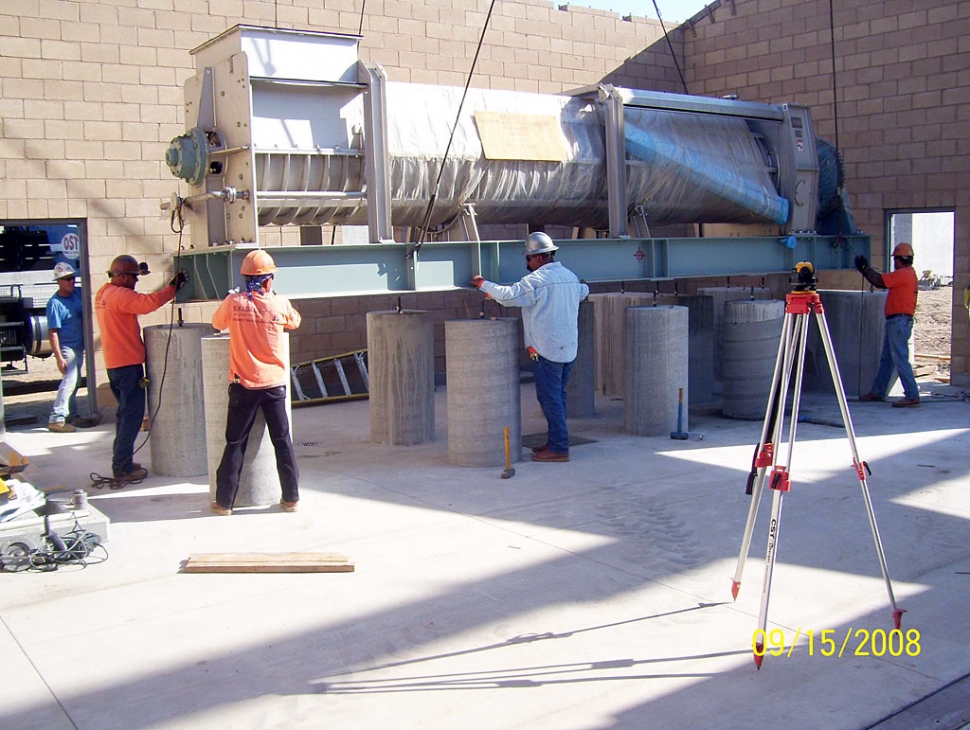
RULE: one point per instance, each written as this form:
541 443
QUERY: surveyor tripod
799 305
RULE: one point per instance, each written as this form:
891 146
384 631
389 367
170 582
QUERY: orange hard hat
903 249
257 263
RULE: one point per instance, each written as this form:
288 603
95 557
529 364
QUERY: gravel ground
932 331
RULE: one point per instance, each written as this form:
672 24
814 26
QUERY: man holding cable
549 296
117 306
903 286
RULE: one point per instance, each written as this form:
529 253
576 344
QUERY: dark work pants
244 404
128 389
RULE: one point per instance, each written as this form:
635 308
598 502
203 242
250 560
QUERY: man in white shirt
549 296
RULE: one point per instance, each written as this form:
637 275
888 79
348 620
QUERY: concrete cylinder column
656 369
700 342
482 369
400 357
752 333
259 482
581 389
857 323
722 295
176 398
610 327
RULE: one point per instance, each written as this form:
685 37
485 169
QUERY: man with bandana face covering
256 319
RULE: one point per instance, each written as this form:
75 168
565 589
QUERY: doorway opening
932 235
29 251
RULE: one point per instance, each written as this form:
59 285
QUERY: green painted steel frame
394 268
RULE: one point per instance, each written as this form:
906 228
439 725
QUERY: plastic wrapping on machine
420 119
683 168
699 168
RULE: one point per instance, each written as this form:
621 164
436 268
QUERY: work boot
134 475
540 449
872 398
907 403
289 506
220 510
550 456
60 427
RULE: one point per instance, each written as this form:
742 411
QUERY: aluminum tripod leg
780 479
764 454
859 465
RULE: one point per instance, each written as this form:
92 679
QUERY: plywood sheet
512 136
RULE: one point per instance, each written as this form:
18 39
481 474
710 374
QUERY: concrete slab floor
593 594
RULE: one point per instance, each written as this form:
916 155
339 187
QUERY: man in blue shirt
549 296
65 327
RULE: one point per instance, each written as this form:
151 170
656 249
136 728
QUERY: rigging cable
670 46
840 182
444 159
835 113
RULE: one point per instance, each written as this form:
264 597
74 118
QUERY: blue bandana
255 284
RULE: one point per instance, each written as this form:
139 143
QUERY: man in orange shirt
256 319
117 306
903 287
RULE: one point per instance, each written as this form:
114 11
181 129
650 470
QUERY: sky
673 11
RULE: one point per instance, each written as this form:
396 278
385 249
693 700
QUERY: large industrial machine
290 128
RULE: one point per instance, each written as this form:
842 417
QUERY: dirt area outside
931 334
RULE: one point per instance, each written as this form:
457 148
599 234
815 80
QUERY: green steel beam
388 268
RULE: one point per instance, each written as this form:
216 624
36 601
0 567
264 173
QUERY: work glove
861 262
179 280
477 281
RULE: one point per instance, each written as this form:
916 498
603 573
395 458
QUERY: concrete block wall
902 73
92 95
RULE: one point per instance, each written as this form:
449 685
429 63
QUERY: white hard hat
539 243
63 270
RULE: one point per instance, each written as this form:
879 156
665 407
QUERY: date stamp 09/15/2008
832 643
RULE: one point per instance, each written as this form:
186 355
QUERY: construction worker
117 306
549 296
256 319
903 287
65 328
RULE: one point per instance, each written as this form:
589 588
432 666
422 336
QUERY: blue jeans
126 385
895 356
243 406
551 379
65 403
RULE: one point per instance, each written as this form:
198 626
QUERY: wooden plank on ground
14 463
267 563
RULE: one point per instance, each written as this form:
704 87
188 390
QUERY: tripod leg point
735 587
759 655
898 617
